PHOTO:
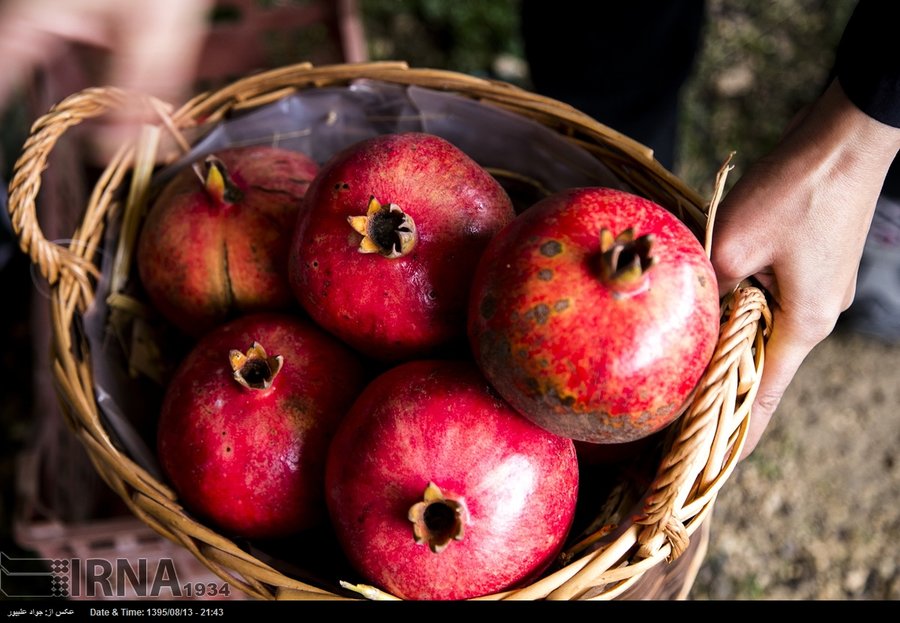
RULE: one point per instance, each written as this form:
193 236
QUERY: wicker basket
641 526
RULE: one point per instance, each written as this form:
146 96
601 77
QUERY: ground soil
813 513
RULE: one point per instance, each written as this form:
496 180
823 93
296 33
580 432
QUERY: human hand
151 46
797 221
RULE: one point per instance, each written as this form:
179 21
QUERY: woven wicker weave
700 451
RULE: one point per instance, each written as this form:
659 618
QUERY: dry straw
640 529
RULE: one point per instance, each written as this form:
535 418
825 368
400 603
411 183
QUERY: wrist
871 142
835 143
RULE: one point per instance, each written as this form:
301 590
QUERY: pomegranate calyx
437 520
218 183
255 369
624 259
386 229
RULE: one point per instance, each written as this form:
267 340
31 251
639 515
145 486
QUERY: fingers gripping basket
639 530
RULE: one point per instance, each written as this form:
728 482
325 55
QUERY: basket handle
51 258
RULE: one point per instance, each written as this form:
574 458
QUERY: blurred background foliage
465 35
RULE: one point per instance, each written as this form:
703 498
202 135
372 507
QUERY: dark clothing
622 63
868 68
868 60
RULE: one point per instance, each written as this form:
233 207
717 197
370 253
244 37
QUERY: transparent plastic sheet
321 122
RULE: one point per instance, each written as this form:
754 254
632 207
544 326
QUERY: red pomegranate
437 489
384 254
595 314
247 419
215 242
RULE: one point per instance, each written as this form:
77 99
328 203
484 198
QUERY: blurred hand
797 221
151 46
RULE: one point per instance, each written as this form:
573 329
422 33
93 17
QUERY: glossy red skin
204 261
396 309
577 356
439 421
253 461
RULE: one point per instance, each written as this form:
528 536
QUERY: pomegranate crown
385 229
625 259
255 369
437 520
217 181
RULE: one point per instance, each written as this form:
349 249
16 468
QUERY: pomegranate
215 246
384 254
595 314
438 489
247 419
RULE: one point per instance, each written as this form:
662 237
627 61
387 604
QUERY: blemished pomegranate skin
215 242
595 314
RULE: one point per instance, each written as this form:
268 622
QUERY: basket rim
705 444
